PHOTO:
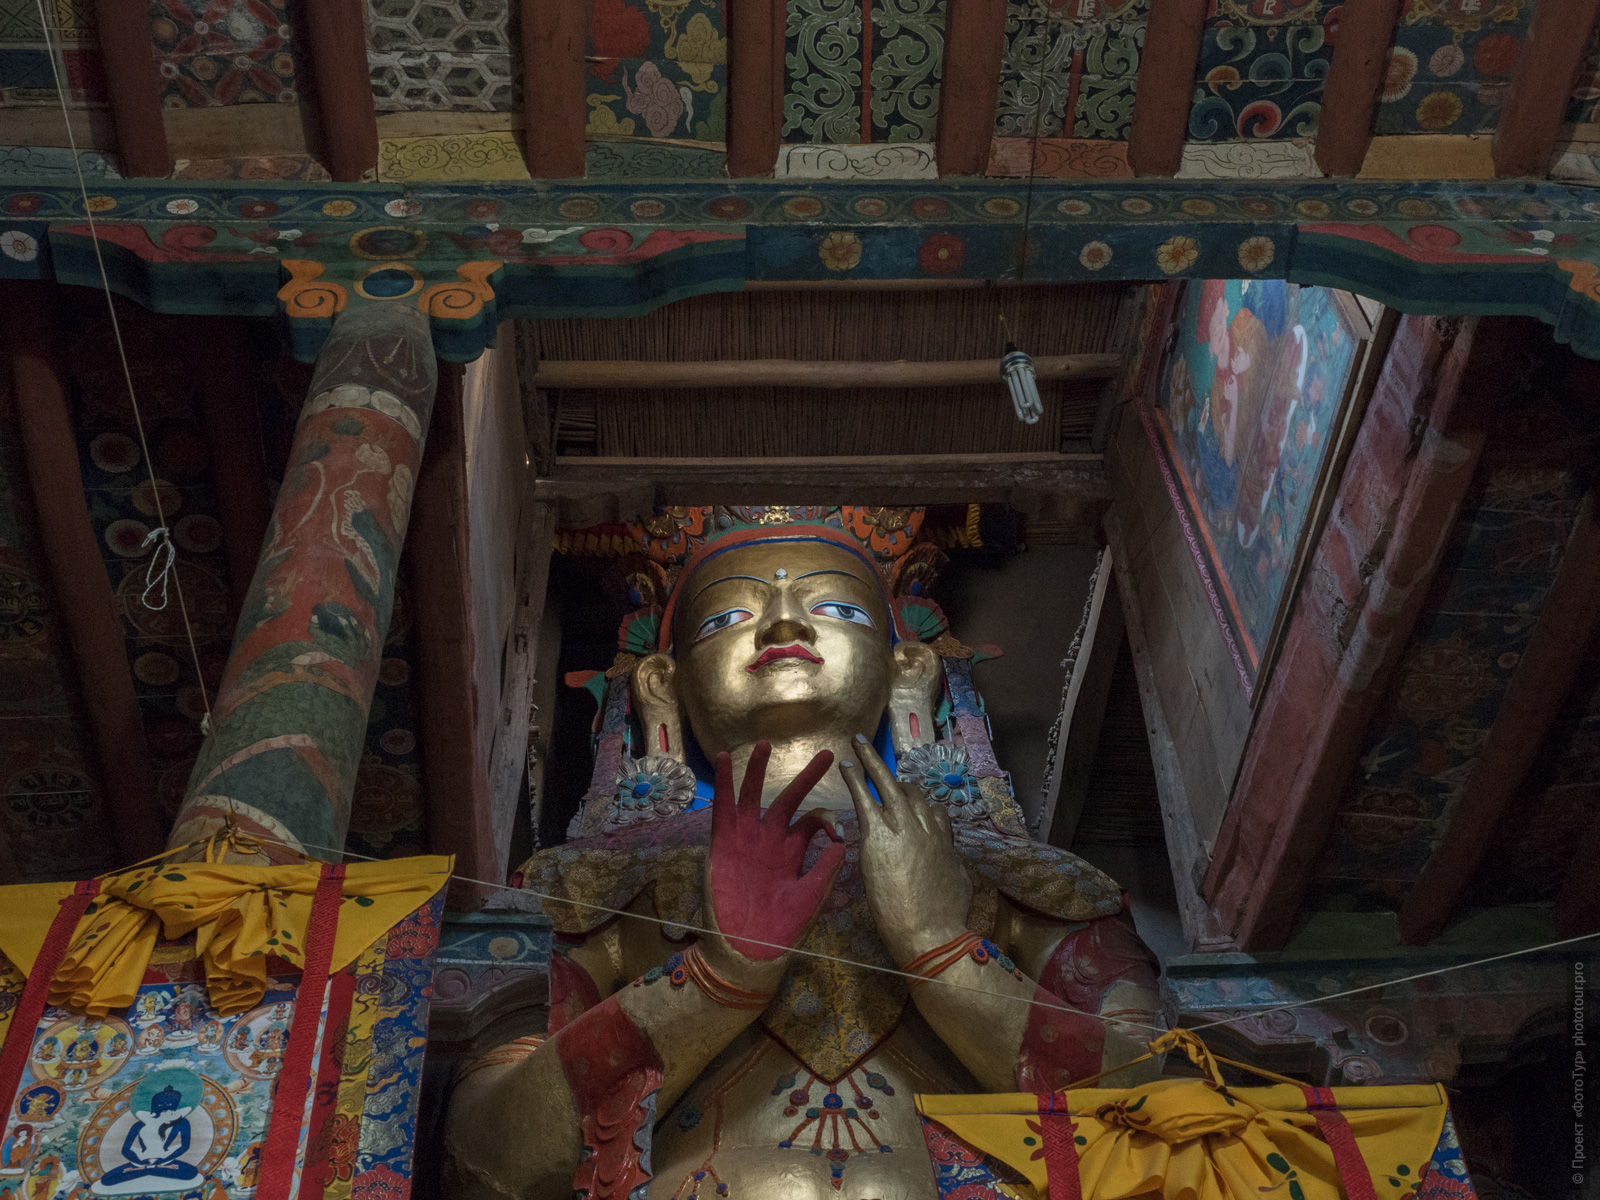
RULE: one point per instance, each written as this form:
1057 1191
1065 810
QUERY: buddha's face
782 640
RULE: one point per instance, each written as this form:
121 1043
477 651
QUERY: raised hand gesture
916 885
760 894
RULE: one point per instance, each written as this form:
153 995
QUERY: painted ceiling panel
861 71
26 79
220 52
657 89
1450 65
1071 67
1262 68
441 55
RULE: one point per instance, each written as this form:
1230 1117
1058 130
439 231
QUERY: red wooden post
454 774
290 717
1355 77
1536 106
133 85
554 37
349 118
89 607
1544 676
1166 86
1353 620
974 51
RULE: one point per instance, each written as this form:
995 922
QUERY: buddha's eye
723 620
844 612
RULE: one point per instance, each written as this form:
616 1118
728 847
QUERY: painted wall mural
25 76
122 510
219 52
859 71
1248 409
1450 65
1584 105
1263 64
50 798
1425 741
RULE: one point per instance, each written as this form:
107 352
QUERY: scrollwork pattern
822 99
906 69
1035 79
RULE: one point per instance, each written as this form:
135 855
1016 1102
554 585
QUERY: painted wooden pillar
290 718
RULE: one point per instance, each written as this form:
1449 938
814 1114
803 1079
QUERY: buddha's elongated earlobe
655 701
914 694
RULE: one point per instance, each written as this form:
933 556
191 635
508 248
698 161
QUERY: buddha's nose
785 620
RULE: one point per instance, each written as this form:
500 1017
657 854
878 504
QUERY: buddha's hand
760 894
915 882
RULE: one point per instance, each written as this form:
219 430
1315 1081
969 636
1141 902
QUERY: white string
1117 1021
162 530
160 569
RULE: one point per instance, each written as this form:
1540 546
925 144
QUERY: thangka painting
1248 413
173 1099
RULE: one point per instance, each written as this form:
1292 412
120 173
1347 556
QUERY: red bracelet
935 962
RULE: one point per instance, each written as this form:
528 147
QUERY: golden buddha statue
775 1054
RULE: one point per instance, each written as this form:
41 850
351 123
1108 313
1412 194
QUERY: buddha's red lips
773 653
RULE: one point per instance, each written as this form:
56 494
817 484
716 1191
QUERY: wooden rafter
1165 87
553 44
345 107
974 49
1544 676
1355 77
88 605
1535 107
825 373
133 85
755 86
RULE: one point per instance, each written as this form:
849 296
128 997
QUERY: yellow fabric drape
1192 1139
238 914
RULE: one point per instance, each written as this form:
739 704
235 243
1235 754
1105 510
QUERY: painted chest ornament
652 786
941 770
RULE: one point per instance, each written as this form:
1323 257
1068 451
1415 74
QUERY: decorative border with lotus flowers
473 254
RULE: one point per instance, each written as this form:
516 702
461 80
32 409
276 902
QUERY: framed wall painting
1250 411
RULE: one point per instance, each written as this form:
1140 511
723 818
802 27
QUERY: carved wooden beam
133 85
974 47
1535 107
1166 86
587 491
88 606
554 37
455 776
345 107
1544 676
778 372
1355 76
755 86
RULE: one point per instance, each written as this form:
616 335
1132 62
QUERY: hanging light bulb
1016 368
